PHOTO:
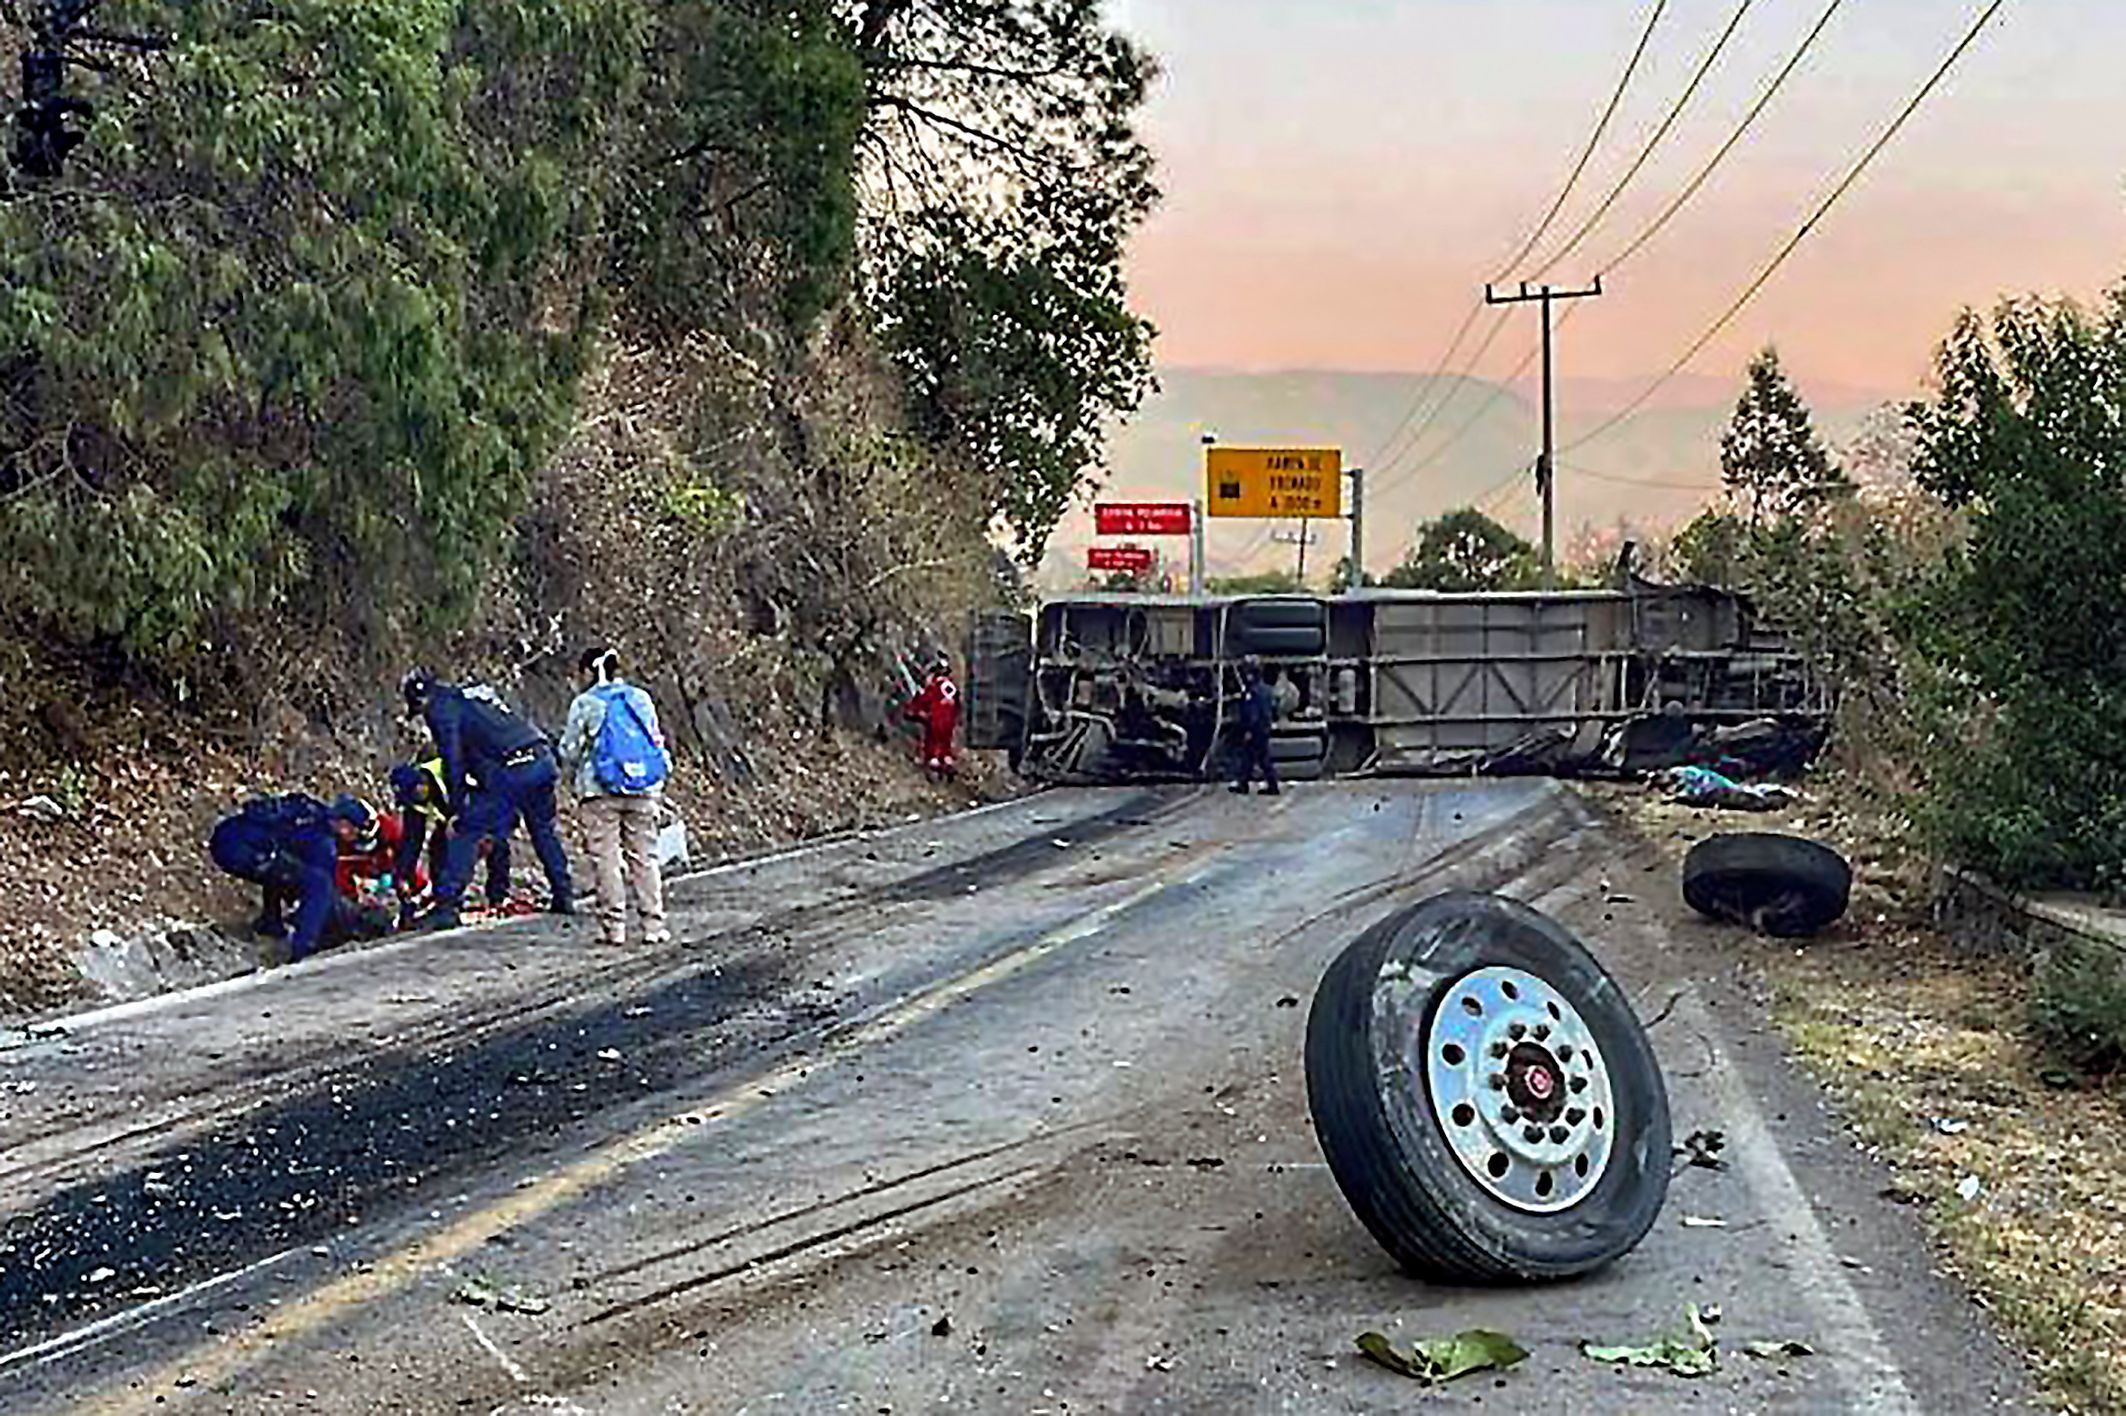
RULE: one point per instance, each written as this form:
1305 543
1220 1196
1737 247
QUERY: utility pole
1357 580
1546 465
1195 547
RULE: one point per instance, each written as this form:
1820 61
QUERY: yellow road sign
1274 481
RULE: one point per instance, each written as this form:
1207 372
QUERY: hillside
720 333
1655 468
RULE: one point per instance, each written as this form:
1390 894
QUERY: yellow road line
208 1369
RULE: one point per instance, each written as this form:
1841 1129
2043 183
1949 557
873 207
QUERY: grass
1904 1031
1905 1034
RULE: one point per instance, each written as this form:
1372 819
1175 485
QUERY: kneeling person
289 846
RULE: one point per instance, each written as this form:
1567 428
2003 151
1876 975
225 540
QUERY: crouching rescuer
615 755
497 769
289 846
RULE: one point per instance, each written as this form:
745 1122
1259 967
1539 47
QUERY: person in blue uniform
497 770
423 798
1258 713
289 846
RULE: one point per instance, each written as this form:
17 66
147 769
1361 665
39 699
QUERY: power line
1734 139
1594 140
1646 152
1801 233
1381 457
1578 471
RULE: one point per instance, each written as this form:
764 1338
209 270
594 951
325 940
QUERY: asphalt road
1002 1113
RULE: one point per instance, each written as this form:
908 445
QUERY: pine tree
1770 455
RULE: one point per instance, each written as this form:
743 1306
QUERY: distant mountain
1655 468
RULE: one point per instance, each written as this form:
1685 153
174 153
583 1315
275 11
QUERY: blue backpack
626 760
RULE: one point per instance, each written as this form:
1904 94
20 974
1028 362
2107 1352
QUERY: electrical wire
1749 119
1579 169
1594 141
1801 233
1667 214
1646 151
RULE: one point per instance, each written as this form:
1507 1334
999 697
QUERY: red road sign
1141 518
1134 559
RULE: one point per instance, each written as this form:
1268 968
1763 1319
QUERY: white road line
1848 1338
366 958
516 1373
103 1329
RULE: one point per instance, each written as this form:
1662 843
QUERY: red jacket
374 859
937 708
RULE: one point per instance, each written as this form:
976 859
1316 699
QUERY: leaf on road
1442 1359
1690 1353
1787 1348
1703 1148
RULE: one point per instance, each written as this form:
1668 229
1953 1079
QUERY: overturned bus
1119 687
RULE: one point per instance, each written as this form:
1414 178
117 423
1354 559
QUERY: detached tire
1402 1042
1784 886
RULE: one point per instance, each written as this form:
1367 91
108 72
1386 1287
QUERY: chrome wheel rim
1520 1090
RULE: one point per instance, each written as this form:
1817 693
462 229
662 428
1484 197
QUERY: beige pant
624 830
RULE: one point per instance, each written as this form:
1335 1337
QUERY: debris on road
1788 1348
1693 1352
1699 1221
479 1293
1549 1099
1703 1148
942 1327
1434 1360
1950 1126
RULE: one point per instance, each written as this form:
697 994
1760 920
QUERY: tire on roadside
1371 1080
1784 886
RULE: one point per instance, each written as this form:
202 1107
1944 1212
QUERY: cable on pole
1579 168
1801 233
1652 144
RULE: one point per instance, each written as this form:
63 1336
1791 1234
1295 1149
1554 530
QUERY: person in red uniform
368 849
937 708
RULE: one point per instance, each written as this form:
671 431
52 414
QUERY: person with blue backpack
615 756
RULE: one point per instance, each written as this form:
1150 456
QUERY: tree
1347 576
1713 549
2024 624
1466 551
1002 176
1770 456
306 313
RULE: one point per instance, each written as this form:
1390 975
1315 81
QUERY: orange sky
1342 175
